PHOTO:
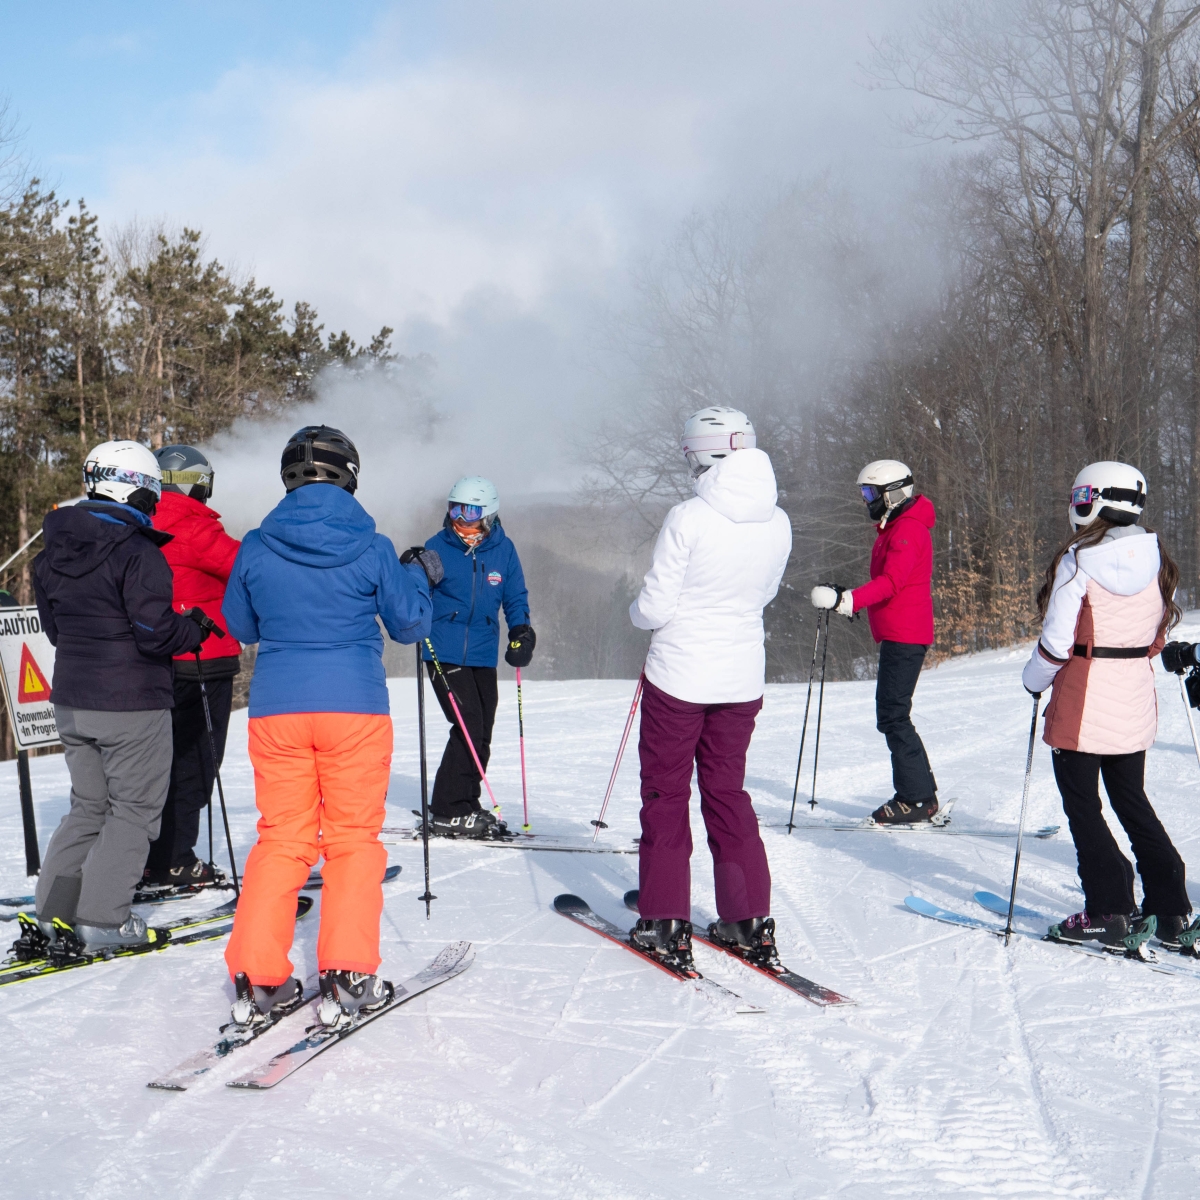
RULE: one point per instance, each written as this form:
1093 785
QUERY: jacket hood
740 487
77 540
174 508
919 509
1124 565
319 525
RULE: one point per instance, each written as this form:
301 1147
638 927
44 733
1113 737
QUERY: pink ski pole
463 726
521 727
612 779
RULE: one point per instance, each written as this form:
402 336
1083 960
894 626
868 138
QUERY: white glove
830 595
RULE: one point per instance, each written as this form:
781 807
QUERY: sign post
26 667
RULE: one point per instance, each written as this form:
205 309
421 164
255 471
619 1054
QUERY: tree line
1033 306
141 335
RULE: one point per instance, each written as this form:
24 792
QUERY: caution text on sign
26 669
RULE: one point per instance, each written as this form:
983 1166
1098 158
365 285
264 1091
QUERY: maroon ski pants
674 735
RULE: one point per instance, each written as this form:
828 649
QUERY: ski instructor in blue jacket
482 574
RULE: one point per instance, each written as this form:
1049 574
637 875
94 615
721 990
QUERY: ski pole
211 860
812 670
820 707
424 777
437 666
1187 708
612 779
212 749
1012 895
521 728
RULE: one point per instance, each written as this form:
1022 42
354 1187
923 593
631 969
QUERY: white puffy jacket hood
717 562
740 487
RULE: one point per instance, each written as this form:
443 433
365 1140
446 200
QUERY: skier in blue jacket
482 574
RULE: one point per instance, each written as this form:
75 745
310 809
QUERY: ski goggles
1086 494
94 473
188 478
466 512
871 493
696 443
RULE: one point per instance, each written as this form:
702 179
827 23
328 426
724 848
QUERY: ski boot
480 825
752 939
35 939
256 1005
668 941
97 939
1189 939
345 994
901 812
1115 932
1169 931
191 877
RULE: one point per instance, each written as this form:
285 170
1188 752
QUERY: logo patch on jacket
494 578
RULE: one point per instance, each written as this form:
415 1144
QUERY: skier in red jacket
201 558
899 604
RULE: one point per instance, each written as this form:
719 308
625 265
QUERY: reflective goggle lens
870 493
1083 495
466 512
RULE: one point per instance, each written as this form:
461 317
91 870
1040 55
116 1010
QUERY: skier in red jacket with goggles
899 604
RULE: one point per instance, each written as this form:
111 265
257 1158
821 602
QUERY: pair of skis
998 905
579 911
203 927
314 883
452 961
514 841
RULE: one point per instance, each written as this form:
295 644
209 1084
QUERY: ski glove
206 623
831 595
521 641
429 560
1178 656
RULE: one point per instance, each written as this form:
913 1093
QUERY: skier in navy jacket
482 574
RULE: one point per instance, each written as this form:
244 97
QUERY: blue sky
480 175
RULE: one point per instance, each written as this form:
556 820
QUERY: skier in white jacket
718 561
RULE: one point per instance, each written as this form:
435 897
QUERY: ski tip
567 903
631 898
160 1085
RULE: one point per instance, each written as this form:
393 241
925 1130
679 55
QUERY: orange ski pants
320 783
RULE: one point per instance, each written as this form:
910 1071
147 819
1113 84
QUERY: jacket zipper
471 612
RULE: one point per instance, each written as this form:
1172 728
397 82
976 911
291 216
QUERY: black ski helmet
319 454
185 469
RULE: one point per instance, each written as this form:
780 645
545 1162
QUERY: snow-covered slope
559 1065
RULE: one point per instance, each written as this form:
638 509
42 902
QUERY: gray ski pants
120 765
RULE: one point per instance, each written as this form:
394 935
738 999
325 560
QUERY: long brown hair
1093 535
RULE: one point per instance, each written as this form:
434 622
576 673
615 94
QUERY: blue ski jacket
466 604
307 586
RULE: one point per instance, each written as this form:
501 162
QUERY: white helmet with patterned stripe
125 472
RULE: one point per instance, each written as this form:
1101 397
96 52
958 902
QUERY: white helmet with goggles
713 434
125 472
885 485
473 498
1110 491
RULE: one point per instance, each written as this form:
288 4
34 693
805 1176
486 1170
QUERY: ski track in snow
559 1065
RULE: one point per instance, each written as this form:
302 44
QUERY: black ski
202 927
814 992
581 913
515 841
453 960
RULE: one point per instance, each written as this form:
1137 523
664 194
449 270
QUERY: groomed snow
559 1065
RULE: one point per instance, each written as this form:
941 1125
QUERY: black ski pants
457 787
192 772
899 669
1106 874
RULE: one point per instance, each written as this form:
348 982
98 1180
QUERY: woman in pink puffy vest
1106 607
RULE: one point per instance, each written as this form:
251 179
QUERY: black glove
1192 686
206 623
429 560
521 641
1035 695
1178 656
